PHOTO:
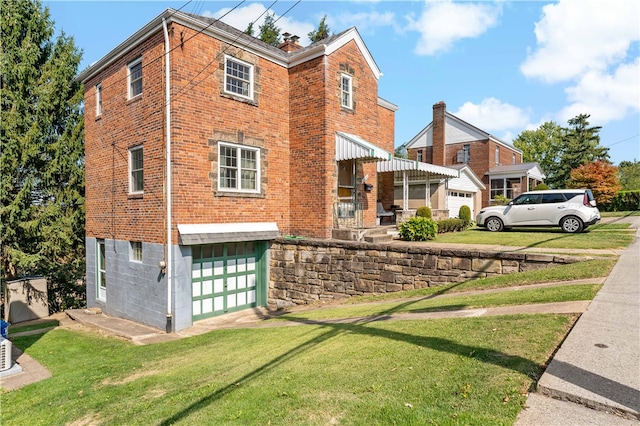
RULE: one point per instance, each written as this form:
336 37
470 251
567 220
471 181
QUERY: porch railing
348 215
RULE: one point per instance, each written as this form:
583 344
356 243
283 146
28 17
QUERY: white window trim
348 78
132 251
129 66
98 99
131 150
228 58
419 155
239 149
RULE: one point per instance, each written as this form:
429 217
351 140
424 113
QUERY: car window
552 198
527 199
571 195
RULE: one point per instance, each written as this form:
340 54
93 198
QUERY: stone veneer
310 271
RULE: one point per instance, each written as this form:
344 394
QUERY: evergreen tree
580 145
249 29
42 161
321 32
269 32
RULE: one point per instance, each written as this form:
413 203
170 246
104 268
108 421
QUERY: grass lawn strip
460 301
465 371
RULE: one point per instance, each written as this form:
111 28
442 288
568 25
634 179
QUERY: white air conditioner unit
5 354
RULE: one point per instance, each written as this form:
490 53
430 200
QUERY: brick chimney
290 43
439 149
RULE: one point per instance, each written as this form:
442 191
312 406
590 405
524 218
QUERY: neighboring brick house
450 141
188 181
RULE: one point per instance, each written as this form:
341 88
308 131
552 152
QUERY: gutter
169 263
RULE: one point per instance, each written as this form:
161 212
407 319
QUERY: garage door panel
226 282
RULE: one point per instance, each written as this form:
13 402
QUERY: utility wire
623 140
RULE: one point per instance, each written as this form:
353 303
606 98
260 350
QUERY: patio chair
382 213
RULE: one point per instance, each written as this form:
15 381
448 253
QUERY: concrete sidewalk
598 364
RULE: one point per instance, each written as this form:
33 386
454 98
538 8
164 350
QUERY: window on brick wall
419 158
238 77
98 99
135 251
513 159
136 170
346 89
135 78
497 155
238 168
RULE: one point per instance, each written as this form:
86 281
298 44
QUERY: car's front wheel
571 224
494 224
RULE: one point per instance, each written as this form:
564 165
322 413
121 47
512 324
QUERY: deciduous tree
629 175
600 176
42 162
541 146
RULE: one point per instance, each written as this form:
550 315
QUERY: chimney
438 132
290 43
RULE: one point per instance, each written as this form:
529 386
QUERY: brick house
452 142
203 144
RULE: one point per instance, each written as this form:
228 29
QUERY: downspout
167 88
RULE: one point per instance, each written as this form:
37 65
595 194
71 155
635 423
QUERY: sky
502 66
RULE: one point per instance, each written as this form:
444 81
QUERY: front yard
473 371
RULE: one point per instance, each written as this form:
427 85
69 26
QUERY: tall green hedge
623 201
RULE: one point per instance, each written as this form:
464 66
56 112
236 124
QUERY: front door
227 277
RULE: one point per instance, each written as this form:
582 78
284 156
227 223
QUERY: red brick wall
110 211
292 119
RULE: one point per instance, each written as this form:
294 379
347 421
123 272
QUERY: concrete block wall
311 271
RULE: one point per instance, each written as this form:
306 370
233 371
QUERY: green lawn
472 371
613 236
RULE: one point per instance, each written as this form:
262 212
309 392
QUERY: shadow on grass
358 326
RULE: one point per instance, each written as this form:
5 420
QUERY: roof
465 169
233 36
530 169
455 126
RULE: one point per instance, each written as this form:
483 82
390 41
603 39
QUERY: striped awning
352 147
416 167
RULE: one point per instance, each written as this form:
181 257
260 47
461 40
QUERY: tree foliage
541 146
249 29
559 150
600 176
42 162
269 32
629 175
323 31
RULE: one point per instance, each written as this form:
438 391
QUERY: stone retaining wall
310 271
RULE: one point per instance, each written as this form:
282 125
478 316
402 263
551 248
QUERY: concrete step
378 238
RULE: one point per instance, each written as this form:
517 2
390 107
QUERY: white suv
570 209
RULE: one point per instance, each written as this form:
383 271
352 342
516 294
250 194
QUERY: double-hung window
419 157
238 77
135 78
98 99
346 91
136 170
238 168
136 251
497 155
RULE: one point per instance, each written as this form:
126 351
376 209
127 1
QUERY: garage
227 277
457 199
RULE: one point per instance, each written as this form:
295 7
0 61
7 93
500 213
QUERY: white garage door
457 199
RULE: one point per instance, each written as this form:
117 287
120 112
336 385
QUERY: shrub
541 187
501 200
452 225
418 229
424 212
623 201
465 213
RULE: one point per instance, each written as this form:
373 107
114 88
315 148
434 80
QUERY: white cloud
241 17
366 22
579 36
442 23
492 116
606 97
